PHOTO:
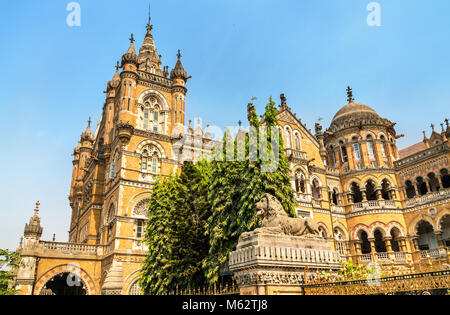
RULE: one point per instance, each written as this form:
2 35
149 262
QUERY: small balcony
429 197
374 204
296 155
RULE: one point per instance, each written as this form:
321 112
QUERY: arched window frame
150 160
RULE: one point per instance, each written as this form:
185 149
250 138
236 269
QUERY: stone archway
64 283
65 280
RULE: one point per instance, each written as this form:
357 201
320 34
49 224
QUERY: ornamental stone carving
141 208
276 221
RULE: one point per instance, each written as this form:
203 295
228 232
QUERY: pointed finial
36 210
149 13
446 122
149 24
179 54
132 38
350 98
425 135
442 128
54 238
240 124
432 127
89 122
117 66
283 99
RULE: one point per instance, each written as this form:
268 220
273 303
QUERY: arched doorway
445 178
421 186
395 235
380 244
356 192
64 284
410 191
365 244
371 193
386 189
433 182
426 238
334 196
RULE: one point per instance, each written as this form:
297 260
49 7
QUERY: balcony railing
72 249
430 197
303 197
400 257
337 209
433 253
374 204
299 155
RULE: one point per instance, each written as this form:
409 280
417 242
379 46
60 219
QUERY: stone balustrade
429 197
72 249
433 253
374 204
337 209
295 154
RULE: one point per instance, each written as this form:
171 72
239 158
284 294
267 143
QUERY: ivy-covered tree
175 233
238 185
9 263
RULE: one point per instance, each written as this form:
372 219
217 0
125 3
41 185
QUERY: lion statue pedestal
275 258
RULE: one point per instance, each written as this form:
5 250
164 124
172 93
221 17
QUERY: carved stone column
387 241
373 249
364 196
358 245
378 192
416 243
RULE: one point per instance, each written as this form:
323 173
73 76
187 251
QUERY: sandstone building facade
373 202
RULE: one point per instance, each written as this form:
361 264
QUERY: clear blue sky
53 76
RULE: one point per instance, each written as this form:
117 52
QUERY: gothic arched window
316 190
297 142
288 139
300 183
151 115
150 160
114 167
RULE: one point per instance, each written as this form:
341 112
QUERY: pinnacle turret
178 72
130 56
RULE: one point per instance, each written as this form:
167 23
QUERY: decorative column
387 241
364 196
350 198
393 194
373 249
416 243
440 239
426 181
378 192
416 189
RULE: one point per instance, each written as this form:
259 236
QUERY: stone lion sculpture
276 221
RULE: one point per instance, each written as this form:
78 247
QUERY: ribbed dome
355 114
354 110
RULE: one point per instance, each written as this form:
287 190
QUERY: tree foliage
175 231
236 186
197 217
9 263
